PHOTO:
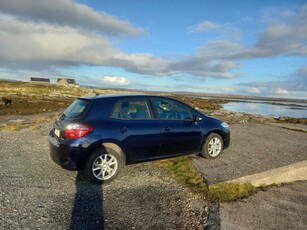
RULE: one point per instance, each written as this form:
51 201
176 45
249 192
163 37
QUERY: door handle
166 128
123 130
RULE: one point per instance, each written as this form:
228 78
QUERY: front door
180 135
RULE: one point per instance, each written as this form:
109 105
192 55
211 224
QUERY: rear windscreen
78 108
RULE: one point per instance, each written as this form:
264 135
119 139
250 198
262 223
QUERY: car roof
116 96
123 96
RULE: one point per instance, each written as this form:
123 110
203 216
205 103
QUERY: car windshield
77 108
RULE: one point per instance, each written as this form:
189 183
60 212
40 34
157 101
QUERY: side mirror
197 118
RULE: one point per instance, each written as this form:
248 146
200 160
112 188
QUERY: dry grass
41 120
12 127
225 192
35 127
183 170
33 124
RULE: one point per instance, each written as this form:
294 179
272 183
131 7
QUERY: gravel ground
35 193
254 148
277 208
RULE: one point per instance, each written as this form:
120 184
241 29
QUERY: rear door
180 135
136 129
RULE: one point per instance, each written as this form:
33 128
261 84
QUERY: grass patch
12 127
35 127
41 120
183 170
34 124
225 192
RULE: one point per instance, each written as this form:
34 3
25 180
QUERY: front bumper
227 139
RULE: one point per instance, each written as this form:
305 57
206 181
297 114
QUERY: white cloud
294 85
280 91
297 82
68 12
254 90
203 27
283 37
226 30
41 43
114 80
221 49
141 63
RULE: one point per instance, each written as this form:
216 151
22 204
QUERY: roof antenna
96 94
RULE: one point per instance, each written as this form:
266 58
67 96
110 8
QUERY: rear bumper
67 156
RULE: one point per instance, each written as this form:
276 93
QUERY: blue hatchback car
102 134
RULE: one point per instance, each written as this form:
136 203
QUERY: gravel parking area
254 148
277 208
35 193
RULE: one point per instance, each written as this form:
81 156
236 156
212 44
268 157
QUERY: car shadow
87 212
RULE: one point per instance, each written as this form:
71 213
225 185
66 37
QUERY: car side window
131 109
168 109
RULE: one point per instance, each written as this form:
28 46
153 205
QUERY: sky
255 48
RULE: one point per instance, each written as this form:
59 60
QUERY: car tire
103 165
213 146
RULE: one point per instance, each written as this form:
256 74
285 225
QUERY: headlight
225 125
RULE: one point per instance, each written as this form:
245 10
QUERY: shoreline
243 117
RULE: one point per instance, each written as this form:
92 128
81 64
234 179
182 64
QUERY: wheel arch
116 148
103 144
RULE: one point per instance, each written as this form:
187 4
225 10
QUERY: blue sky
232 47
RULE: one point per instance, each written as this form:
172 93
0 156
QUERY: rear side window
78 108
131 109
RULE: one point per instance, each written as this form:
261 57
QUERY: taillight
77 130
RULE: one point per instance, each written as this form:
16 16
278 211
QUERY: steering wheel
173 115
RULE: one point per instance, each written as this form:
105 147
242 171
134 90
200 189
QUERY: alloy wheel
104 167
214 147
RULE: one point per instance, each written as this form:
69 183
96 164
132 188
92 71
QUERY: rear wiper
62 117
